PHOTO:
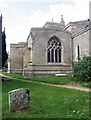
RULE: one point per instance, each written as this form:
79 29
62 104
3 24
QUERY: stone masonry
19 99
16 57
50 50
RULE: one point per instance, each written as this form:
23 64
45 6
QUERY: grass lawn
47 101
53 80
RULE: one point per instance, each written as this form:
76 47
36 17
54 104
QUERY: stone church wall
42 36
16 57
39 67
81 39
83 42
48 70
30 58
80 33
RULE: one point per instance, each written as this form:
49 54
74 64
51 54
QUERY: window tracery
54 48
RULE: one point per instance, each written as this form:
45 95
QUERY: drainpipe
71 46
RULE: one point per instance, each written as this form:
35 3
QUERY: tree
4 53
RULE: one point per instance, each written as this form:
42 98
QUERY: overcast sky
20 15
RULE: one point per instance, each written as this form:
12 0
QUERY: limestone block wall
80 38
27 56
16 57
47 70
39 67
40 40
83 42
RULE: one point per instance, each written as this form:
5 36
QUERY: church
50 50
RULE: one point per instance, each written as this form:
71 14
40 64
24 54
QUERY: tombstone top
19 99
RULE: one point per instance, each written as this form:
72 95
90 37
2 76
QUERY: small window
78 50
77 53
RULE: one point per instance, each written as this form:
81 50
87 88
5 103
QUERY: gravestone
19 99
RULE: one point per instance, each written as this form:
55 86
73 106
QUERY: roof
77 22
53 25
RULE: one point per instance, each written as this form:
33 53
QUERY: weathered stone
51 49
19 99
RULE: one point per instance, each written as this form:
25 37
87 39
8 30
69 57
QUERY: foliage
47 102
82 69
4 53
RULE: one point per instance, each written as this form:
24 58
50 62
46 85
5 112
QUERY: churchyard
46 101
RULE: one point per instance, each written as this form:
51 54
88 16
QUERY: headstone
19 99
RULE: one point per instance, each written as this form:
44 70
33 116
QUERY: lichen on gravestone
19 99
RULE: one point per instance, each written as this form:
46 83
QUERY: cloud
81 10
3 5
38 1
18 25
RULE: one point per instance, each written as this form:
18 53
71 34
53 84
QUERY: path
55 85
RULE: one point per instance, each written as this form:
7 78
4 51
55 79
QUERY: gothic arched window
54 50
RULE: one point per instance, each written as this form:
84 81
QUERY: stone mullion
58 55
54 55
50 55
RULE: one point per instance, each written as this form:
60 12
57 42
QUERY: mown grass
47 101
53 80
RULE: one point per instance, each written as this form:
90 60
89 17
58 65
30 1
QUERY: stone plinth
19 99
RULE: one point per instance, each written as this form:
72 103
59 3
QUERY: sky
19 16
